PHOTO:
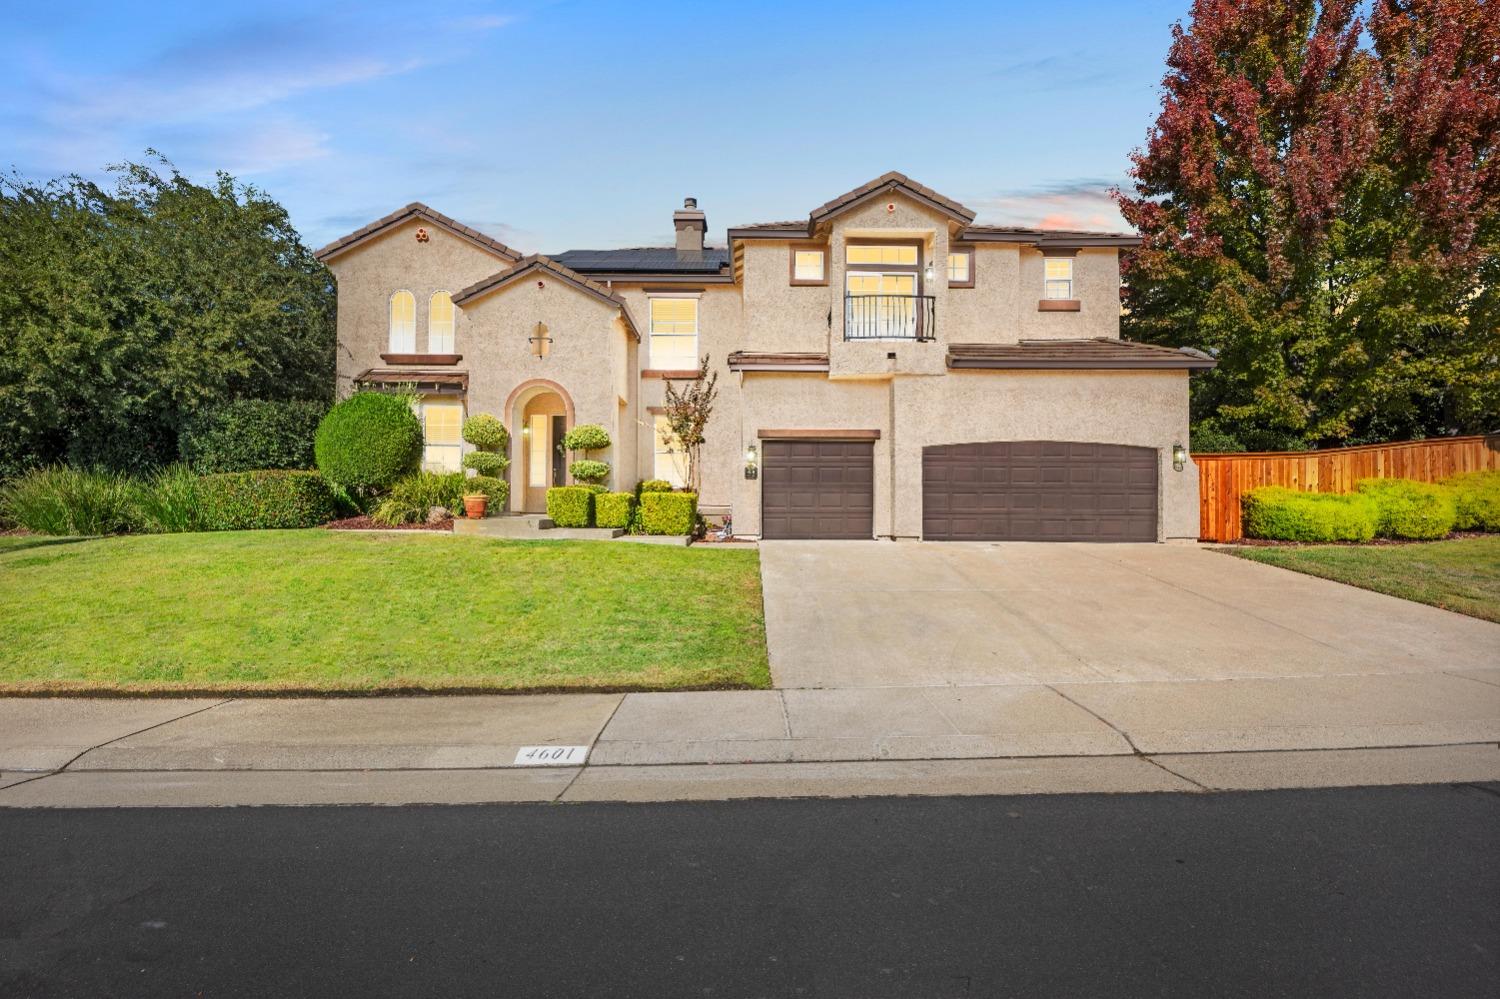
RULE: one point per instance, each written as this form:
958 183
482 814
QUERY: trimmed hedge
498 490
1406 509
413 496
1281 514
486 463
669 513
613 509
369 441
653 486
571 506
1476 497
246 501
251 435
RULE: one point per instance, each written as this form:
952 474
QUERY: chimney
690 224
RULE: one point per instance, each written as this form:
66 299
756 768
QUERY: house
888 368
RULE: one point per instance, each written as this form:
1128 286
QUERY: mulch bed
368 524
1372 543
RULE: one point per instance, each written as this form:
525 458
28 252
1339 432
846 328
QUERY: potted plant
475 504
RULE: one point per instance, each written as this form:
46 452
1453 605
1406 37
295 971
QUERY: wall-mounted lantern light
1179 457
541 343
752 461
929 272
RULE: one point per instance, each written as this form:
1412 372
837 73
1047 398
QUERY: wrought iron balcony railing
889 317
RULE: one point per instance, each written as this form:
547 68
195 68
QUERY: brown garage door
817 489
1038 491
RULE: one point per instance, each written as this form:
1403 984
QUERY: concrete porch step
531 527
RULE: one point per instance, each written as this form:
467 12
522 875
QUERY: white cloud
1078 204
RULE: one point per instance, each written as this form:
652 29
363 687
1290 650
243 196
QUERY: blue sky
565 125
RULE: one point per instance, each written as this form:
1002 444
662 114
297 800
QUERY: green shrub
1476 497
498 490
171 501
244 501
64 501
570 506
1210 440
1284 514
653 486
1407 509
486 432
613 509
411 498
669 513
251 434
368 441
487 463
589 471
586 437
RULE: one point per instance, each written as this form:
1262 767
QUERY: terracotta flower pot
474 506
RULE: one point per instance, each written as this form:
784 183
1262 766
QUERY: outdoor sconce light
1179 457
541 343
752 461
929 271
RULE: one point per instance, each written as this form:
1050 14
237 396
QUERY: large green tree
124 311
1320 206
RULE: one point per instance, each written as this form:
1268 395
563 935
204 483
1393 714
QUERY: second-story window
961 269
440 323
1058 277
674 334
809 265
403 323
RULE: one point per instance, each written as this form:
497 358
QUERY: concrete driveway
873 613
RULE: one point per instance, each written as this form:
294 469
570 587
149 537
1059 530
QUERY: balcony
889 317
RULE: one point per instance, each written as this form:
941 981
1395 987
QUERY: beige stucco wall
370 273
777 315
1144 409
1096 285
589 359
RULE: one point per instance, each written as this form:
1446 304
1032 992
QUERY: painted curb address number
551 756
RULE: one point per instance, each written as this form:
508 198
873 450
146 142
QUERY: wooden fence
1223 478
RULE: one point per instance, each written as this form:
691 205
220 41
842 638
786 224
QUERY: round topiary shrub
586 437
368 441
486 432
487 463
589 471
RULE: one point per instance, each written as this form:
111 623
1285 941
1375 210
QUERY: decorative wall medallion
422 236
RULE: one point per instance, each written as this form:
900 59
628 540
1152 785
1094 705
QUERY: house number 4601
551 756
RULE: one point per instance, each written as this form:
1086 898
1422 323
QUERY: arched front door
544 422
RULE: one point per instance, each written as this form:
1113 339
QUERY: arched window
403 323
440 324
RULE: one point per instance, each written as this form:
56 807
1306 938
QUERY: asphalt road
1372 892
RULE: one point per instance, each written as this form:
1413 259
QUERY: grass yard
322 611
1461 575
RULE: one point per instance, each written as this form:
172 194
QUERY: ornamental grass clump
65 501
171 501
412 498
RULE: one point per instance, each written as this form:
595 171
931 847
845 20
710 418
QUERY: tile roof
1098 352
412 211
893 181
643 260
535 262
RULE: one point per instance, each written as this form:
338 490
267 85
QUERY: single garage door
817 489
1038 491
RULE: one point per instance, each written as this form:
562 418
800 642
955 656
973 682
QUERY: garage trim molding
818 435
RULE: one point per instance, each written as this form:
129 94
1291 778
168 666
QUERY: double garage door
998 491
1038 491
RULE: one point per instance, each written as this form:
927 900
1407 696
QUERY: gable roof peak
416 210
892 180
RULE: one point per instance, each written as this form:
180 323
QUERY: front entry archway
540 414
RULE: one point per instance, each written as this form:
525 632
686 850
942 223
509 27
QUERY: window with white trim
442 445
961 268
1058 277
674 333
440 323
809 266
403 339
671 463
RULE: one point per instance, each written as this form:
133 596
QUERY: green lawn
1462 575
321 610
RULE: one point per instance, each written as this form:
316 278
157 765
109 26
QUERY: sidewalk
1189 735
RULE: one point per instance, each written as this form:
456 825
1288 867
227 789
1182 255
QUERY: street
1375 891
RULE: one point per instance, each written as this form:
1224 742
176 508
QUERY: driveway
877 613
